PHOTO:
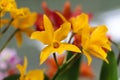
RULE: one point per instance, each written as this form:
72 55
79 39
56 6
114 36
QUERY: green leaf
70 72
109 71
12 77
46 77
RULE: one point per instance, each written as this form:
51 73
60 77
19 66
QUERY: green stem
9 39
71 38
66 65
69 42
7 27
68 61
118 58
55 58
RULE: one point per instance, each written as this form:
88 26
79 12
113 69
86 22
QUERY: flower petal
88 57
101 31
35 75
62 32
61 16
79 22
48 26
19 38
41 36
67 10
22 68
29 21
69 47
98 52
45 53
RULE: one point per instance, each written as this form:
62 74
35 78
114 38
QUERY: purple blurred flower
8 61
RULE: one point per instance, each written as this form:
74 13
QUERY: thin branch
9 39
55 58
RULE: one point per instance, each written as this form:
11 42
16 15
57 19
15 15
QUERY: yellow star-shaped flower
53 39
95 43
31 75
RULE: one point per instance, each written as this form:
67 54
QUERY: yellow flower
31 75
95 42
7 6
52 39
23 20
79 22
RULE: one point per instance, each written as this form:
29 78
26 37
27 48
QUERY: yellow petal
68 47
98 52
88 57
23 18
29 21
107 45
41 36
19 38
48 26
25 64
85 35
45 53
22 68
61 16
62 32
79 22
99 33
35 75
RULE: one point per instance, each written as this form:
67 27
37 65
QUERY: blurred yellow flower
79 22
7 6
23 21
52 39
31 75
95 43
23 18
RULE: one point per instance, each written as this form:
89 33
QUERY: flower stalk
7 27
66 65
9 39
71 38
118 58
55 58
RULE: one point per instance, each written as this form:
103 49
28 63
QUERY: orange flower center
56 45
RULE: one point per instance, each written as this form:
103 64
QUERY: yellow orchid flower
94 43
52 39
79 22
23 20
31 75
7 6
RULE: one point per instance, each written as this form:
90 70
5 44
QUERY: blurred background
105 12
